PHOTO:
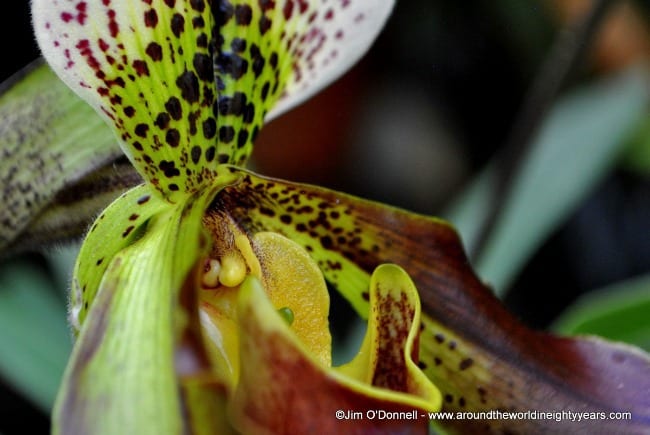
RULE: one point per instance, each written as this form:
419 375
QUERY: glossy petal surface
479 355
122 372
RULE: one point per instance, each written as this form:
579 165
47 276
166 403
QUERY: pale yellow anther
233 269
211 271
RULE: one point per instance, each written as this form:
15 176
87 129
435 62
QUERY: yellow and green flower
199 297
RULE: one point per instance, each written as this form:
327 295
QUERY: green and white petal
272 55
122 373
146 67
336 35
188 85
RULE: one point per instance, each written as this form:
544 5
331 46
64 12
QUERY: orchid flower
199 298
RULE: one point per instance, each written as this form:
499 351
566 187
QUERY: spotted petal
146 67
474 350
187 84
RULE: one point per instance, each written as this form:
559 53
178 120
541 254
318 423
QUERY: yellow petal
293 280
283 389
387 355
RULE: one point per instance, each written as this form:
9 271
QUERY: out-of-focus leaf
618 312
49 138
34 339
72 210
576 147
636 156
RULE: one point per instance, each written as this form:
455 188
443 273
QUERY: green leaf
48 139
34 339
619 312
576 147
636 156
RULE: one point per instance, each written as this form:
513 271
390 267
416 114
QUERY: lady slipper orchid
199 297
186 86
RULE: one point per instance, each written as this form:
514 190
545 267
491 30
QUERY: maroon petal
479 354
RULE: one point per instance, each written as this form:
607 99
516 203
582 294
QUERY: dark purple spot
203 66
288 10
226 134
466 363
189 86
141 130
243 15
141 67
196 154
249 113
257 59
173 106
198 22
209 128
202 40
232 105
266 4
265 90
232 64
238 45
162 120
265 24
326 242
209 154
154 50
197 5
177 25
242 138
273 60
169 168
173 137
151 18
224 12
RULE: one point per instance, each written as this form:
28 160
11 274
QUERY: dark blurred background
429 106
